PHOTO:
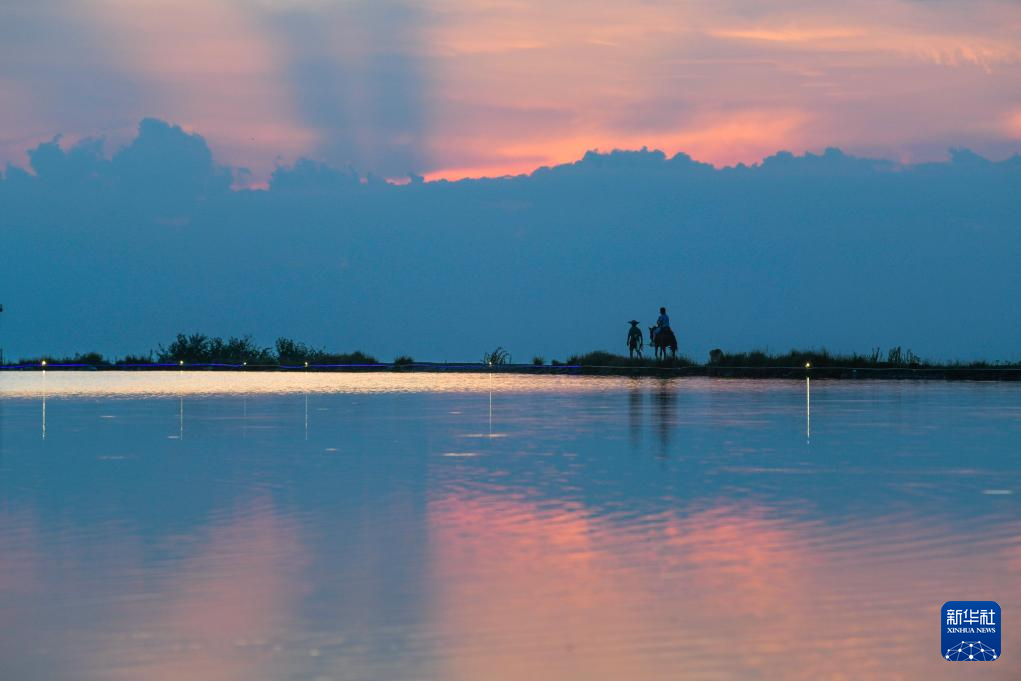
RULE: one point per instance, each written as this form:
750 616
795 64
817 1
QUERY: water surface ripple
223 525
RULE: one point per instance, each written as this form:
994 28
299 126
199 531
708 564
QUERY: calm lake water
208 526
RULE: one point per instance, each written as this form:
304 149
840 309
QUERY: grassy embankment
198 351
895 363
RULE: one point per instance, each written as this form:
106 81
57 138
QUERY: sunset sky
455 88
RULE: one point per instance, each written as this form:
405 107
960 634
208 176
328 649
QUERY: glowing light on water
808 408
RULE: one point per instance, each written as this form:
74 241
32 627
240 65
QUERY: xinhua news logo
971 631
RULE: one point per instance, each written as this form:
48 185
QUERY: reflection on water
176 383
44 405
505 527
808 408
663 414
634 413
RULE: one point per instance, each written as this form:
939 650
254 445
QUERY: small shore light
808 365
181 362
306 365
43 362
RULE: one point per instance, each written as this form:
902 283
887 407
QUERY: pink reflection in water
523 590
223 611
217 612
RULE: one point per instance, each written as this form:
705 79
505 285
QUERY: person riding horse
663 321
662 336
635 342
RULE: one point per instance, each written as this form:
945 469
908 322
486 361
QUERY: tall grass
601 358
895 358
498 356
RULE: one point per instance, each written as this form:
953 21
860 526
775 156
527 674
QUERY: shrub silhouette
356 357
199 348
498 356
293 352
88 358
136 359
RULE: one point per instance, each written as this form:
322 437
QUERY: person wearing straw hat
635 342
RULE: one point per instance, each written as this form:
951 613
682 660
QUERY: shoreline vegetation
201 352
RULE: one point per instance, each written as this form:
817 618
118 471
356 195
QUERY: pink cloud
502 88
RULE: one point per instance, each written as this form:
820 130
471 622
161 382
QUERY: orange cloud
1014 125
790 34
722 139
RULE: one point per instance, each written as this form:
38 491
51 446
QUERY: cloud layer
119 253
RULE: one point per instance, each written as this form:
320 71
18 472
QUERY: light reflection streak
665 399
202 383
635 416
44 404
808 408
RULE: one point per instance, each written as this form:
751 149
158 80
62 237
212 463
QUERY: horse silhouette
661 340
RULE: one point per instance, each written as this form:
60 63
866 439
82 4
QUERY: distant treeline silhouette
198 348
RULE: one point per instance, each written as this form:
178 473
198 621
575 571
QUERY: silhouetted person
663 321
635 342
